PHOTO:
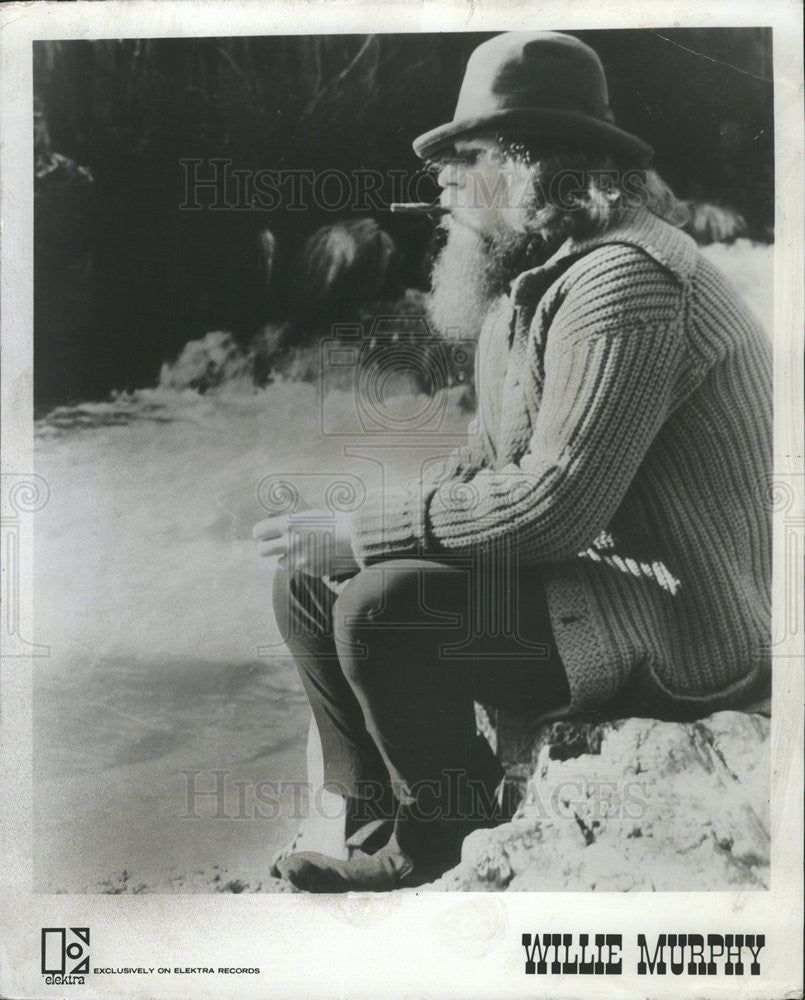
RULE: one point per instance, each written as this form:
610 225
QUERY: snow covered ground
166 669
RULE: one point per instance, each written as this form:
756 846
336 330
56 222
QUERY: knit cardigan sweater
623 446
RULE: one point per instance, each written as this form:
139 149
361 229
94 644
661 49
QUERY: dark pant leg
417 655
303 606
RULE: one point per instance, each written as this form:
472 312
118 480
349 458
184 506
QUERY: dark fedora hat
540 83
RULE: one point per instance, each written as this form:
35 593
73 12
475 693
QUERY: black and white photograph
402 501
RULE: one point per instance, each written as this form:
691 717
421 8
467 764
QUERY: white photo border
411 944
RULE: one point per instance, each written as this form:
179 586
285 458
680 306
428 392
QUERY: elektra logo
65 955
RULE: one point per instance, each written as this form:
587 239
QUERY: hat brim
569 126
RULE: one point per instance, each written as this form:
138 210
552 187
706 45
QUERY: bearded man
601 543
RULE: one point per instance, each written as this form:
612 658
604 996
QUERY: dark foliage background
123 278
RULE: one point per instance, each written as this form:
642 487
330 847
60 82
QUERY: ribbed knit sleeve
465 460
614 354
393 522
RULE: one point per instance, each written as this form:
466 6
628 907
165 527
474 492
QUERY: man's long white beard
469 274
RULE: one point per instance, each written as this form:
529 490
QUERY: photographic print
402 499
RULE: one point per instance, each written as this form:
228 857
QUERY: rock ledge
634 804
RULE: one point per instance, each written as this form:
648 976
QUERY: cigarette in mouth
418 208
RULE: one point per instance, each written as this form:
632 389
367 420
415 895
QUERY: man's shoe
338 837
418 851
389 868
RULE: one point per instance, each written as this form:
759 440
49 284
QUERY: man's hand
316 542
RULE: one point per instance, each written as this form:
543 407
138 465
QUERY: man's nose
451 173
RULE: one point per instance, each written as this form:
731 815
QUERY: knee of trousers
375 600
